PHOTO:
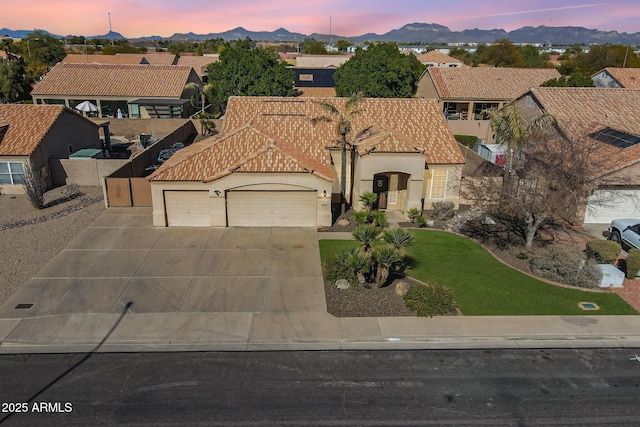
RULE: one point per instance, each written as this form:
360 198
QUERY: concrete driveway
122 258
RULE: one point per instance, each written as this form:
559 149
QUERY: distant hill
410 33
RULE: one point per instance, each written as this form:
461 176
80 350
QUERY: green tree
501 53
574 80
599 57
366 234
243 71
343 121
41 51
313 47
368 198
533 58
380 71
343 45
15 83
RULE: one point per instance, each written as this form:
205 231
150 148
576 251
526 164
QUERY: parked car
626 232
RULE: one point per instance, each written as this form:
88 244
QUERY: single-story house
607 121
434 58
271 166
464 93
611 77
138 91
32 135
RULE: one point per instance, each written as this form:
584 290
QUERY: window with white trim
438 184
11 173
306 77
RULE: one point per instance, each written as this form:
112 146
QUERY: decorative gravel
31 237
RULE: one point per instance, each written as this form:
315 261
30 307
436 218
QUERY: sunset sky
349 17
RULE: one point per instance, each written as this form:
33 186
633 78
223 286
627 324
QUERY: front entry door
381 187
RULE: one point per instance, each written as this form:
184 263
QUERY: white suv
626 232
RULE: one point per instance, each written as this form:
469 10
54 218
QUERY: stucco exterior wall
426 88
244 181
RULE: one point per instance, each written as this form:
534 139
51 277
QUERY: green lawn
484 286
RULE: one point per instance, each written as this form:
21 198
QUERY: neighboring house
316 92
98 58
32 135
465 93
321 61
199 63
606 120
138 91
628 78
434 58
271 166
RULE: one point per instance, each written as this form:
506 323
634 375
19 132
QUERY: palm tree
368 198
379 218
386 257
343 120
198 92
366 234
514 132
399 238
359 262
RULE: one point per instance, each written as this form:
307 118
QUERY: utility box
611 276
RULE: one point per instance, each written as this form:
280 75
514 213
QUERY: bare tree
34 186
553 178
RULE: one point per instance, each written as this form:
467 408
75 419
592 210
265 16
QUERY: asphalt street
476 387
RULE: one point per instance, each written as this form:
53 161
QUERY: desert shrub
360 217
603 251
443 210
467 140
633 263
430 300
522 255
399 238
338 266
420 221
34 186
566 264
379 218
414 213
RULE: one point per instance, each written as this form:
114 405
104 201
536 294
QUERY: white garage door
271 208
606 205
188 208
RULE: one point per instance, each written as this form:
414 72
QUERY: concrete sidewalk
124 285
308 331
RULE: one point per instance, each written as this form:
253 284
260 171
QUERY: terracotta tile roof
472 83
3 122
629 78
316 92
28 125
157 58
130 58
582 111
198 63
435 56
269 134
83 80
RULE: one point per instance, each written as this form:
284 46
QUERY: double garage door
607 205
271 208
244 208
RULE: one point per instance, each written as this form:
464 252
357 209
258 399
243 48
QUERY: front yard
481 284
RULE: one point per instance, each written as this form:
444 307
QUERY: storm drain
23 306
589 306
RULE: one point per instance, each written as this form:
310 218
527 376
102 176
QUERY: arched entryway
391 188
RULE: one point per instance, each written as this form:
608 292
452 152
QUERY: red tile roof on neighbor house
499 84
436 56
27 126
629 78
81 80
128 59
582 112
270 134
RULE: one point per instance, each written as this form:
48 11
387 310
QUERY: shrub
522 255
430 300
368 198
379 218
603 251
633 263
338 266
443 210
398 237
566 264
360 217
467 140
420 221
34 186
413 214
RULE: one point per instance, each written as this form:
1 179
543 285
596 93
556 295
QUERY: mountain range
410 33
